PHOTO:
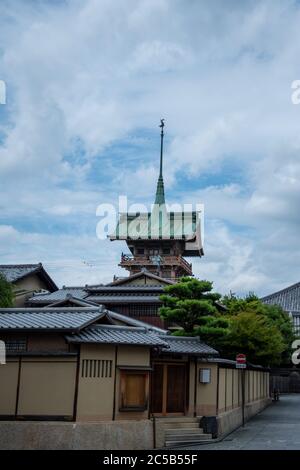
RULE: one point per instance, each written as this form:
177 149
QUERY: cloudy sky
87 82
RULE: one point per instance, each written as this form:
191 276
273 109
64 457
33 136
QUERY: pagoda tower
159 240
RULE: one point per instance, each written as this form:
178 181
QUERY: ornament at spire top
160 193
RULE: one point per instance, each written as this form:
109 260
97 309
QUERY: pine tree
187 301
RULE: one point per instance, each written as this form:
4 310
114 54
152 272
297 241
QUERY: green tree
215 331
263 332
254 336
236 305
187 301
6 293
274 316
278 317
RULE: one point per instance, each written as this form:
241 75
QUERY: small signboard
240 361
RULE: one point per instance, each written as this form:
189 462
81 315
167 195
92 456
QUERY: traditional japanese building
286 379
136 296
289 300
100 360
84 377
27 279
159 240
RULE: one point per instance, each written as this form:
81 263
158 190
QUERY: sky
87 82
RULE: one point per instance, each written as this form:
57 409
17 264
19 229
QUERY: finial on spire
160 193
162 125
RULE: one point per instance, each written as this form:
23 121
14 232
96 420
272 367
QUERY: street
275 428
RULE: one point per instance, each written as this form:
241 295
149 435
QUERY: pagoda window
140 251
166 251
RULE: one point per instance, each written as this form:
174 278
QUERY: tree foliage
256 337
273 315
187 301
263 332
6 293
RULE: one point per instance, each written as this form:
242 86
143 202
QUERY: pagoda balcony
129 260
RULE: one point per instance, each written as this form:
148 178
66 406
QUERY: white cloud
82 75
70 259
7 233
155 56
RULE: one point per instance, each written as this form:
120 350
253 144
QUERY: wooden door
176 388
168 390
157 388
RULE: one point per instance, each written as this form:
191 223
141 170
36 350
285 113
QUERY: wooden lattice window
17 345
96 368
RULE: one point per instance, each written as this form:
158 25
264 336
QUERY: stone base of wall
109 435
231 420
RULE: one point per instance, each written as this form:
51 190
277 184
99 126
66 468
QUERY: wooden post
75 402
115 384
195 388
243 396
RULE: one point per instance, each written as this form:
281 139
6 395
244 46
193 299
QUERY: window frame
16 345
125 373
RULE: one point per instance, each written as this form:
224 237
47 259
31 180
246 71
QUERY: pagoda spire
160 192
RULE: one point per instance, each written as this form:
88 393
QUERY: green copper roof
155 225
160 192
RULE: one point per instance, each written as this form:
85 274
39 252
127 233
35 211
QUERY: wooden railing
166 260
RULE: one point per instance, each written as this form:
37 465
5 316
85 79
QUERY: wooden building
160 239
27 279
88 364
287 379
289 299
136 296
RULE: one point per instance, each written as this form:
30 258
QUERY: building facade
159 240
289 299
26 280
90 365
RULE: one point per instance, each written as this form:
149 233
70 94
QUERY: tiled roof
288 298
132 321
189 345
125 289
69 319
80 321
13 272
230 362
113 334
72 301
60 294
142 273
116 299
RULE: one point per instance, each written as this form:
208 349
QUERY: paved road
275 428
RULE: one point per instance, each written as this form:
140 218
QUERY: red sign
240 359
